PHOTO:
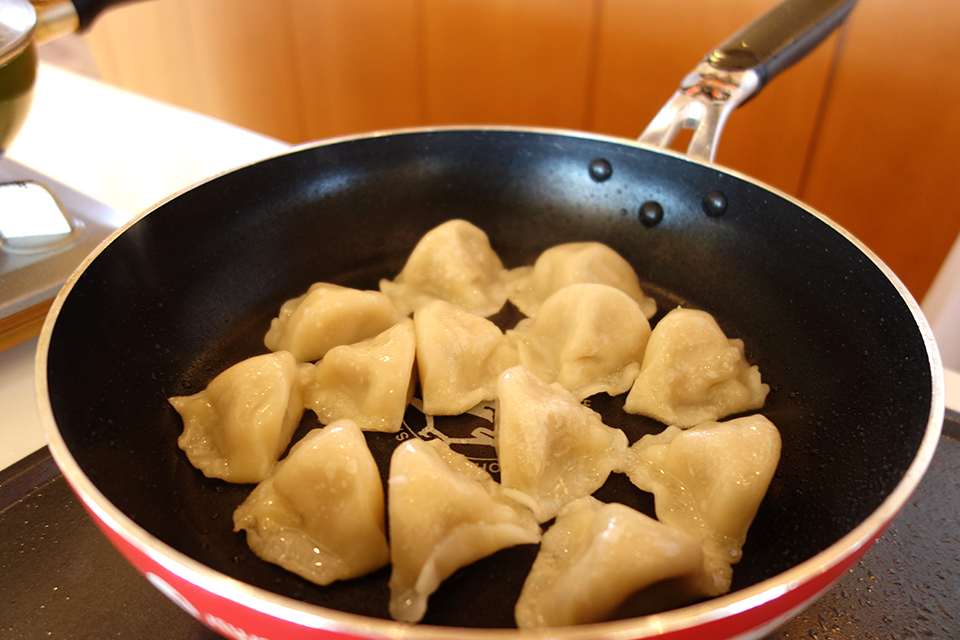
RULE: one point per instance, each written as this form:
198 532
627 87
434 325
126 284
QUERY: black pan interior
190 289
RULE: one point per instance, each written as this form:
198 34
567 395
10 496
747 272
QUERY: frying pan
190 287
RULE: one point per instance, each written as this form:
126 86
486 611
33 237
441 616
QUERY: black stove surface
62 579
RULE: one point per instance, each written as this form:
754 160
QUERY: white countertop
123 149
129 152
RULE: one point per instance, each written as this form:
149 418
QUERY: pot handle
57 18
735 71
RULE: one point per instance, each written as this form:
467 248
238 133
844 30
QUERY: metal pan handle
736 70
57 18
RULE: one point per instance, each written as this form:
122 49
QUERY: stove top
61 578
39 251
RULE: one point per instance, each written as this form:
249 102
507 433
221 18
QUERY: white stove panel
32 270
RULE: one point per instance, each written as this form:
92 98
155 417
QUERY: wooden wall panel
507 61
359 65
245 62
146 47
887 158
231 59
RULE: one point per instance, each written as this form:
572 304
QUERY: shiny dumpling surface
237 428
452 262
326 316
370 382
321 513
459 357
590 338
691 372
597 555
574 263
709 481
444 513
551 449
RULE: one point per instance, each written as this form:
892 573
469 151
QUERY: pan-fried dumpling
444 513
596 555
709 481
552 449
326 316
321 513
588 337
573 263
459 356
237 428
691 373
370 382
452 262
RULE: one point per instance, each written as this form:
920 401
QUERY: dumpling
321 513
459 356
691 373
551 449
370 382
452 262
597 555
237 428
326 316
709 481
444 513
574 263
588 337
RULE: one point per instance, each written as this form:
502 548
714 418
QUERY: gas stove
46 230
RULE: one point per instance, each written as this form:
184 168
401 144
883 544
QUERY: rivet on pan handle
737 69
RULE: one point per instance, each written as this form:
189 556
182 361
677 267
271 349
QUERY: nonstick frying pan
190 287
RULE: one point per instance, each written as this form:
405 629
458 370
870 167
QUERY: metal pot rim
18 22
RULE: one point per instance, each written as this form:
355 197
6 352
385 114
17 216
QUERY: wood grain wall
864 129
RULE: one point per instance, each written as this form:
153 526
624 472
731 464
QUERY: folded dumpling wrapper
709 481
321 513
574 263
460 355
452 262
552 450
326 316
590 338
444 513
237 428
596 556
691 372
371 382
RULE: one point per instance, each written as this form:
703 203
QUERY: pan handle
56 18
736 70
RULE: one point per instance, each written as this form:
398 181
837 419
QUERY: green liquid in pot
16 93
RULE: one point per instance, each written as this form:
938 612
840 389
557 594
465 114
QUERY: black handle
780 37
88 10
